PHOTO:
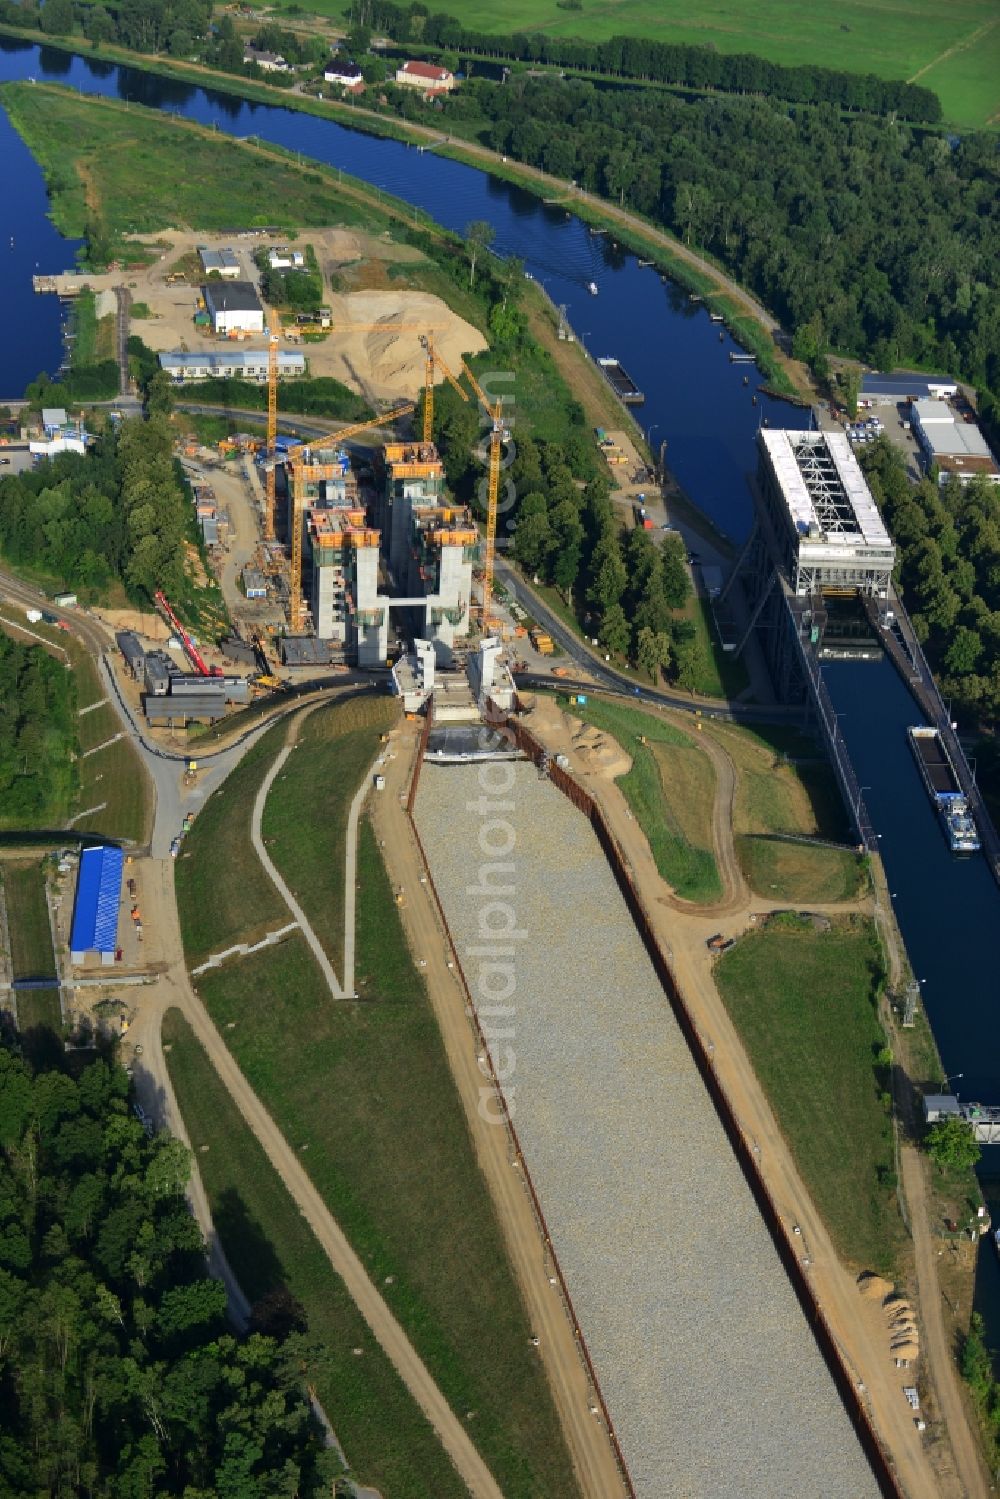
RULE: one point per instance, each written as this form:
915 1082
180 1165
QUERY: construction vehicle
191 651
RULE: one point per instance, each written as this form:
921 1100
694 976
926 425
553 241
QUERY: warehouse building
956 448
224 263
890 390
233 307
821 509
230 364
95 913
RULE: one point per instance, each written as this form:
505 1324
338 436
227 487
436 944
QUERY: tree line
873 241
558 521
119 1374
38 773
120 513
679 64
948 570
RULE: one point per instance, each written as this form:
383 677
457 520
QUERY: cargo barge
944 789
621 382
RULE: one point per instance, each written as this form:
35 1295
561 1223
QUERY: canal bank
695 401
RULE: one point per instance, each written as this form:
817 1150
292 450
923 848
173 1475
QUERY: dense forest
873 240
37 735
120 513
674 63
562 527
119 1376
948 568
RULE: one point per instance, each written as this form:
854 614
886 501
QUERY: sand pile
873 1287
599 752
392 361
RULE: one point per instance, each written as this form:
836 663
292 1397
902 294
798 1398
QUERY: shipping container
65 600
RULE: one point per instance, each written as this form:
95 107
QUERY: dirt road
175 988
972 1477
858 1326
585 1434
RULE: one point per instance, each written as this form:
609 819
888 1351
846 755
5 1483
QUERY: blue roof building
98 893
903 386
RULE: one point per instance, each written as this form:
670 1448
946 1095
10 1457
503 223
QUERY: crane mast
301 471
272 425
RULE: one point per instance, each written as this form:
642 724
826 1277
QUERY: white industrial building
234 307
828 527
230 364
224 263
955 447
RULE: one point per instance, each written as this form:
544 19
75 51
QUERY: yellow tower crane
432 362
498 431
272 424
301 471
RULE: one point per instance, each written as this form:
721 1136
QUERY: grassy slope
670 789
860 36
813 994
145 170
775 795
307 837
387 1441
28 921
366 1087
223 893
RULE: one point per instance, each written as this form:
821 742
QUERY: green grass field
140 171
364 1090
803 1003
670 789
387 1441
335 747
224 895
38 1009
799 871
28 920
892 38
113 775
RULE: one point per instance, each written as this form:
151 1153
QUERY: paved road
605 675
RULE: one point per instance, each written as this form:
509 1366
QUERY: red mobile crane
191 651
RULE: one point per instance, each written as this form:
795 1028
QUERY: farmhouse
345 74
268 62
426 76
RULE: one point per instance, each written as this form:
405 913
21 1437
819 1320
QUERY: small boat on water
592 288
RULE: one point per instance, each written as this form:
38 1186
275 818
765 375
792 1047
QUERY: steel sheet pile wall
742 1147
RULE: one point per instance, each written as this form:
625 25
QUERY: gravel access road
713 1379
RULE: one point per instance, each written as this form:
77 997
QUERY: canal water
696 402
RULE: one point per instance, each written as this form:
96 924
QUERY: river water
696 402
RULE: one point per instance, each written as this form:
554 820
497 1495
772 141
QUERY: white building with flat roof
234 307
230 364
832 536
951 444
